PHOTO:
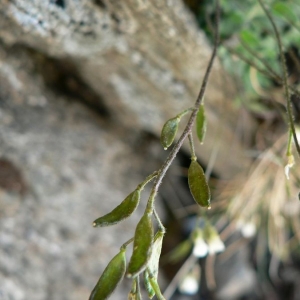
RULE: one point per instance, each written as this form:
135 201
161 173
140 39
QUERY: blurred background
85 88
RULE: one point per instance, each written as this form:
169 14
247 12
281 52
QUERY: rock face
85 87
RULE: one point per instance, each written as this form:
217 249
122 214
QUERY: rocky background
85 87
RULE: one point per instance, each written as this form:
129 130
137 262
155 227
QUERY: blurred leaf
111 277
121 212
249 38
284 10
142 246
179 252
201 123
198 184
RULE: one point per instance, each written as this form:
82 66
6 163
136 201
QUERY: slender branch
188 128
258 57
193 156
285 76
272 75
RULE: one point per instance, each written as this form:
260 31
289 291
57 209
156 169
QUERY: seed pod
148 285
155 255
110 278
198 184
142 246
201 124
121 212
168 132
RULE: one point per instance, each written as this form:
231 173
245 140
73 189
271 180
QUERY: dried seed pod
155 255
168 132
121 212
201 124
110 278
198 184
142 246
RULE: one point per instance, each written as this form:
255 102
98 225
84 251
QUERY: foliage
246 36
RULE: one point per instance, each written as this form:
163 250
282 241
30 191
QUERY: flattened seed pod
121 212
110 278
201 123
142 246
198 184
168 132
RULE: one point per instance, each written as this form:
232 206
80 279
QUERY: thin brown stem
285 75
188 128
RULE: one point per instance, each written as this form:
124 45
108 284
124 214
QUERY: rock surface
85 87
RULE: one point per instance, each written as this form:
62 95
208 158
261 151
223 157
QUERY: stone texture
85 87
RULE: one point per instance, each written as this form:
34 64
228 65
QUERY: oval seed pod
110 278
198 184
168 132
121 212
142 246
201 124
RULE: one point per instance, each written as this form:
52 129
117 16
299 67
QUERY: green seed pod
142 246
168 132
121 212
201 124
110 278
198 184
155 255
148 285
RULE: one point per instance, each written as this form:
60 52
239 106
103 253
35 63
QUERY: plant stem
147 180
126 244
193 156
268 74
285 76
184 112
160 224
162 171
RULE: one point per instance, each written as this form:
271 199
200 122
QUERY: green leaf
110 278
201 124
168 132
249 38
284 10
198 184
180 252
148 285
121 212
142 246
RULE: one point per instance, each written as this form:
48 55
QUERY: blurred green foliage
245 31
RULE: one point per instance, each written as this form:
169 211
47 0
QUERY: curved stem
193 156
285 76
